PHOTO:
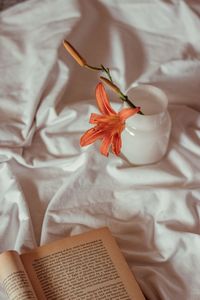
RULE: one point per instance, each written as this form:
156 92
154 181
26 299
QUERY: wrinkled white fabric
50 187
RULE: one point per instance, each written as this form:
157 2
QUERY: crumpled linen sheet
52 188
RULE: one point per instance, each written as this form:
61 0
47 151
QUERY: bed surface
50 187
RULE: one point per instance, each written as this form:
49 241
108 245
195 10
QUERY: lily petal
96 118
125 113
90 136
116 144
105 145
103 101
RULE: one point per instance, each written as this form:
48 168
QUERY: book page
83 267
14 278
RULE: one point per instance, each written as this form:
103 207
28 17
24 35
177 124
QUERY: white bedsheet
50 187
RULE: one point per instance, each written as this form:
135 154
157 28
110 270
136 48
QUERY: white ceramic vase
145 138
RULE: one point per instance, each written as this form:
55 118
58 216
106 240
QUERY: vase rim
140 95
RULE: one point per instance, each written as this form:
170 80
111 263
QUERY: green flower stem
93 68
121 95
102 68
107 71
127 100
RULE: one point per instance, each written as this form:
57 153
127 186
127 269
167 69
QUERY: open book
87 266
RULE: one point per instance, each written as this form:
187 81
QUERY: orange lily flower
109 125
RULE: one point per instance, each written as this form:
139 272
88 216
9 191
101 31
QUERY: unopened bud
111 85
81 61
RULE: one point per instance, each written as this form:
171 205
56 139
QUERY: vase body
145 138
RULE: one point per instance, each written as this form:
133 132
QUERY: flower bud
81 61
111 85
